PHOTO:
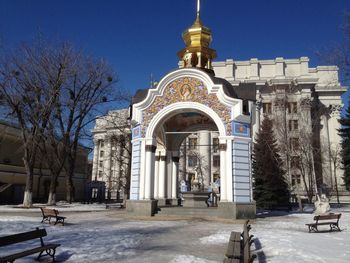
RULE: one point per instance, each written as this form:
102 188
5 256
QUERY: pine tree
270 187
344 132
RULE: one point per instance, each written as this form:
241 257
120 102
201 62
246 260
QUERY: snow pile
106 236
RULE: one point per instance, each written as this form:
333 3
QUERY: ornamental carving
186 89
305 103
335 110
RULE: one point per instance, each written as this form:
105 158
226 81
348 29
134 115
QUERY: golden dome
197 39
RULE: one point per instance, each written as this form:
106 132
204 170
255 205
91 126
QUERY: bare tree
86 93
53 153
336 158
30 82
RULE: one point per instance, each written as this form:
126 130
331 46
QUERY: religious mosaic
186 89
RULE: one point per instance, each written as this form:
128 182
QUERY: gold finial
197 39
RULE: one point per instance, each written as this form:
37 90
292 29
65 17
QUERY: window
101 164
292 107
296 179
245 106
102 144
192 161
102 153
192 143
267 108
215 145
216 160
99 174
293 125
295 162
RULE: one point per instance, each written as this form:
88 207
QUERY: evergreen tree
270 187
344 132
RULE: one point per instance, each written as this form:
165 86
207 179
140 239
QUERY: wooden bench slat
28 252
231 260
48 249
234 245
21 237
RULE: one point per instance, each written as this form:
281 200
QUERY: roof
245 91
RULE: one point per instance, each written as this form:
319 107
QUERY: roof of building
245 91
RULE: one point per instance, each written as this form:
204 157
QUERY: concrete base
245 210
141 207
230 210
195 199
174 202
161 202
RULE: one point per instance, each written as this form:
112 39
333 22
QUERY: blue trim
136 132
240 129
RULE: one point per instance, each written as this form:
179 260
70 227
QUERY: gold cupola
197 39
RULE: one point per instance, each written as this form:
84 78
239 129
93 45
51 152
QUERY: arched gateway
190 99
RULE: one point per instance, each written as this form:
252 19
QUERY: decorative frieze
183 90
335 110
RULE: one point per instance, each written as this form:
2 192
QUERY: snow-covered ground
109 236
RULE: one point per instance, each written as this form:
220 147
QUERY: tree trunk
52 198
336 184
69 188
28 193
27 199
52 192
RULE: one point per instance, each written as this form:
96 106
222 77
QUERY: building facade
305 105
13 175
111 161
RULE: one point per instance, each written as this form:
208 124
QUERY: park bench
119 203
51 213
47 249
329 219
238 248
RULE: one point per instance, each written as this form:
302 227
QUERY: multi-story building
305 105
111 161
13 176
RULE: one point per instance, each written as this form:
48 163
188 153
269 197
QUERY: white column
142 171
161 192
150 154
95 160
168 169
258 106
228 171
156 177
107 167
223 176
205 155
175 164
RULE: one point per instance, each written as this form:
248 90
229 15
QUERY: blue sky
140 38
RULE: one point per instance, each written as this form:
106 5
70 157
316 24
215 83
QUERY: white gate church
201 101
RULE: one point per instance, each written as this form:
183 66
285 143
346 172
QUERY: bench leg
334 227
49 252
313 228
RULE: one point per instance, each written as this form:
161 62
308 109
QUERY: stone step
188 211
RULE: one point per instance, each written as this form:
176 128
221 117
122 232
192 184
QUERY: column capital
305 103
335 110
